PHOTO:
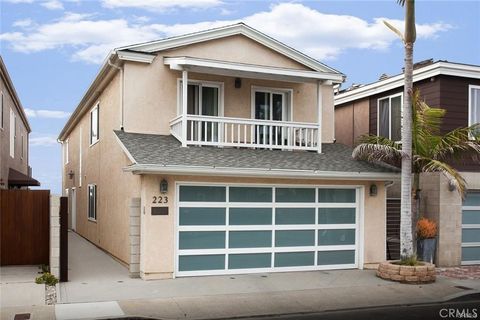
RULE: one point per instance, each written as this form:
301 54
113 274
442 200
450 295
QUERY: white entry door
227 229
73 208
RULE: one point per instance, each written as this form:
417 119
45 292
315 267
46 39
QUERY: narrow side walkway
18 287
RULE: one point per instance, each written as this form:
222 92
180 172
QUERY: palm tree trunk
406 234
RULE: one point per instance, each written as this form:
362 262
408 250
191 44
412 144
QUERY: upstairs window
389 117
92 202
473 105
65 152
94 126
13 133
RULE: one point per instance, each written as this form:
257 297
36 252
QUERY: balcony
216 131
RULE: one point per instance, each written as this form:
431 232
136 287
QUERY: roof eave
260 172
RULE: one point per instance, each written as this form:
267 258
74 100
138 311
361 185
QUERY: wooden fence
24 227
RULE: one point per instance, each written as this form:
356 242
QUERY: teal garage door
471 228
227 229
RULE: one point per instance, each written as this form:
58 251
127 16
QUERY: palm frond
377 153
373 139
454 178
401 2
459 143
395 30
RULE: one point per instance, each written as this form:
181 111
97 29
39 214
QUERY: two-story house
213 153
376 109
14 131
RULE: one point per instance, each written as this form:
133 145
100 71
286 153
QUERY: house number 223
160 199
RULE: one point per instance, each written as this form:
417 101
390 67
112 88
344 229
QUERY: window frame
22 154
96 109
12 132
390 97
65 151
287 106
90 216
201 83
470 105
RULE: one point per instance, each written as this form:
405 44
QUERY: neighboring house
213 153
376 109
14 130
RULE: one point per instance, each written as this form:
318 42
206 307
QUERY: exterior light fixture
373 190
163 186
71 174
238 83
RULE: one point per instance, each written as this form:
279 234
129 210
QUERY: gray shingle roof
166 150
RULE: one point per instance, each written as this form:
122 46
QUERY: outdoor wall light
238 83
163 186
71 174
373 190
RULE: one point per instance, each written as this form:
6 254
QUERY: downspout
122 86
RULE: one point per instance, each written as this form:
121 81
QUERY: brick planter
407 274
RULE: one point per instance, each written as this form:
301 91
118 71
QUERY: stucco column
319 113
445 207
55 235
134 266
184 106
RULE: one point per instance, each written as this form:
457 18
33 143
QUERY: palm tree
432 151
408 38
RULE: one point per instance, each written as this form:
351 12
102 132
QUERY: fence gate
24 227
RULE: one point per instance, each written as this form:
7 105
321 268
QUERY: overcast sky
53 48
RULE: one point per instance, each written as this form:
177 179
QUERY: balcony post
320 111
184 106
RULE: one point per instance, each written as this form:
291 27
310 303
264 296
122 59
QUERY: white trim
227 31
135 56
12 132
243 70
470 104
260 172
433 70
96 108
202 83
358 225
287 107
94 218
470 226
65 151
390 97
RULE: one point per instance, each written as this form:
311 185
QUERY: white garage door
226 229
471 228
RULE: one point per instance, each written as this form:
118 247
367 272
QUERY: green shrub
410 261
47 278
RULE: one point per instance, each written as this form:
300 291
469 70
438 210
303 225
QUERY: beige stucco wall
158 232
152 88
18 162
351 121
102 165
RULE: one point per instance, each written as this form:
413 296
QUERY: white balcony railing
247 133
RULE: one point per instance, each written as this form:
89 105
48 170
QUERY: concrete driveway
18 287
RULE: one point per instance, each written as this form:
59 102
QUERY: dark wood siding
393 229
447 92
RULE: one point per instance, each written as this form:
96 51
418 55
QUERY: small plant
409 261
46 278
426 229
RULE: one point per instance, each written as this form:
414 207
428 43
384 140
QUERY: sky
53 49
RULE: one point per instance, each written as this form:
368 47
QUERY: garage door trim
357 247
470 226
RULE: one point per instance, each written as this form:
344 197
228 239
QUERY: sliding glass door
269 105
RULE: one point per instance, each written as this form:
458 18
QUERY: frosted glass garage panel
336 257
203 193
336 215
472 198
250 194
294 238
249 260
201 262
201 240
294 195
250 216
470 235
470 254
471 216
336 195
294 216
250 239
202 216
294 259
334 237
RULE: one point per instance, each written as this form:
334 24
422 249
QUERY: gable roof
227 31
151 153
145 53
431 70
